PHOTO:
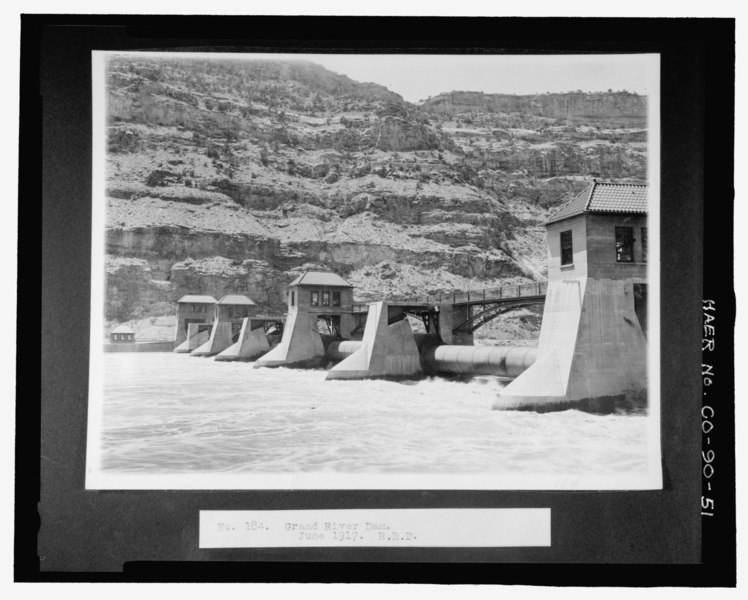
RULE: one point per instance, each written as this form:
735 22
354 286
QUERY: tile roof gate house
593 339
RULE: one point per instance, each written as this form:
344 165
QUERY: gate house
326 295
192 309
234 306
592 349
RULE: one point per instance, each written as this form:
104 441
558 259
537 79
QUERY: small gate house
234 306
326 295
592 345
122 335
192 309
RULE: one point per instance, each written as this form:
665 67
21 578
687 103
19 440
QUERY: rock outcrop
232 176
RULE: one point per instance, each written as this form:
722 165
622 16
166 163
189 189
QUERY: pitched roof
319 278
600 197
122 329
235 299
192 299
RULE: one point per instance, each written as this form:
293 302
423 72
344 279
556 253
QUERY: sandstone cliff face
609 105
227 177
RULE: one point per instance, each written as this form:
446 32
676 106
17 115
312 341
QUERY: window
567 251
644 244
624 244
292 298
315 299
325 298
116 337
199 308
336 298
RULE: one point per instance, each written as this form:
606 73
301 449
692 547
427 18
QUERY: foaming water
173 413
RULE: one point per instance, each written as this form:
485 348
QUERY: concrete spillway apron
251 343
386 350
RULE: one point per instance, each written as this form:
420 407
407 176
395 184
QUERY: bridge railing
523 290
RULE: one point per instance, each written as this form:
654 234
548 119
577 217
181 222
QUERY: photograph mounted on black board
447 267
401 287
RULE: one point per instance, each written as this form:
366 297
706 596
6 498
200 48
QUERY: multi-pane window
199 308
624 244
644 244
325 298
336 298
567 250
315 298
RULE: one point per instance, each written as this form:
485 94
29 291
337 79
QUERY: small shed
234 306
122 335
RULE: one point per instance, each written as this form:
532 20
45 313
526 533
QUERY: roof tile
599 197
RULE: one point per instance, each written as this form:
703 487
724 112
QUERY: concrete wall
140 347
578 268
601 243
450 316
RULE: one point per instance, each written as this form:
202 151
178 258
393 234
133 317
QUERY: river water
166 413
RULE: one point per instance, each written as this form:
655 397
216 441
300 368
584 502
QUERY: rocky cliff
232 176
623 107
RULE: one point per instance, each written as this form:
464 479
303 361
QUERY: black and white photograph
376 299
374 271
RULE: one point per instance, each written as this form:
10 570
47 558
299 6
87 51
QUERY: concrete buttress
251 343
220 339
301 344
196 337
591 350
386 350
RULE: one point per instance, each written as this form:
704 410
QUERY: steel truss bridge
479 306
